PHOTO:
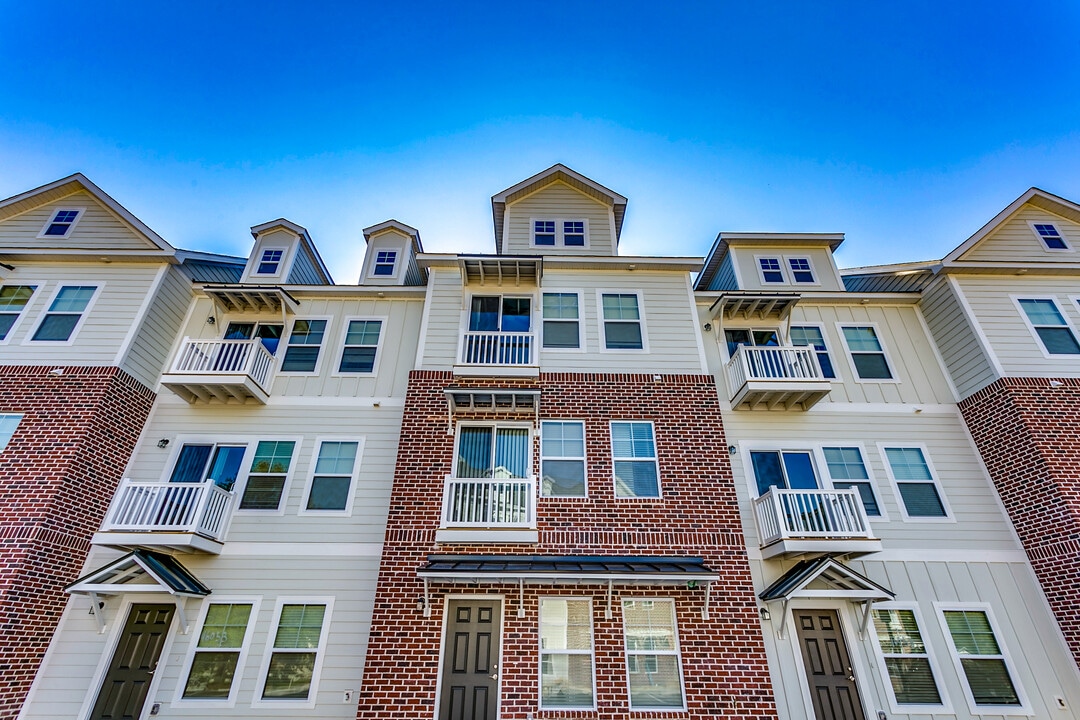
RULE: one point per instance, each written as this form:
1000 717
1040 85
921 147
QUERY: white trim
560 231
340 354
891 366
398 264
257 260
353 478
501 599
563 651
245 646
1034 331
1042 242
655 459
245 473
945 708
140 315
1024 708
98 286
214 441
34 294
286 338
761 271
602 330
425 317
584 459
813 272
695 318
936 555
677 653
52 218
257 700
301 549
976 326
820 327
935 479
580 294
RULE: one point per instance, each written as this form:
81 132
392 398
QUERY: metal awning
754 305
252 298
500 270
491 399
569 570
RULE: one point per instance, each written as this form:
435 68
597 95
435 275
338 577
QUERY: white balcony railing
489 503
497 348
810 514
226 357
772 363
200 508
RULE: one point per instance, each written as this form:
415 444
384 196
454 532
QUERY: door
127 681
470 676
827 665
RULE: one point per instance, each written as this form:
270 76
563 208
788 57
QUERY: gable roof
64 187
165 572
400 227
842 581
1034 196
556 173
305 242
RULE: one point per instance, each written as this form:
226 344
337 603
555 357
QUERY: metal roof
549 568
844 582
116 577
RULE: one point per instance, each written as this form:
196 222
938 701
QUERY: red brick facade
1028 432
57 477
723 658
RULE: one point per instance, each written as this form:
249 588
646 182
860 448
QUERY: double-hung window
906 658
335 470
622 321
385 263
848 472
811 336
1051 237
270 262
771 271
493 451
223 642
1046 320
653 665
633 449
302 351
361 346
562 321
65 313
802 271
866 352
566 647
8 425
559 232
919 492
544 232
13 300
265 484
299 637
562 458
61 223
980 659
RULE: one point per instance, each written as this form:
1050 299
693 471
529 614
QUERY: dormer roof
305 242
1034 196
724 241
556 173
401 227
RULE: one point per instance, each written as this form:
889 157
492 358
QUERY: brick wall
1028 433
57 477
723 658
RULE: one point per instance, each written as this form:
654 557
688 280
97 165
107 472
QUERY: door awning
501 270
754 305
252 298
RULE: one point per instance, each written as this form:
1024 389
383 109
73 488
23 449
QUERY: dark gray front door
123 691
828 666
470 680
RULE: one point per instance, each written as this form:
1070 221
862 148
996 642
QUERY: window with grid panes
918 489
13 299
622 322
332 482
633 449
266 478
653 663
848 471
64 314
305 341
562 458
1049 324
361 344
561 320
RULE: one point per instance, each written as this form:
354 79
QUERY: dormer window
770 270
270 263
786 269
1052 239
385 261
61 223
801 270
559 232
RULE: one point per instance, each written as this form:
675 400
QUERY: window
385 261
268 333
1051 238
771 271
801 270
65 313
270 262
199 462
919 492
562 328
755 338
574 233
266 477
226 630
622 322
8 425
1048 323
906 658
784 469
848 472
13 300
980 659
566 645
302 353
567 233
299 637
61 223
866 353
562 458
633 449
652 654
493 451
494 313
332 480
543 232
812 336
361 346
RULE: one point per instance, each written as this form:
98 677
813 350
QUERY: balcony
187 517
488 510
221 369
498 353
775 376
813 522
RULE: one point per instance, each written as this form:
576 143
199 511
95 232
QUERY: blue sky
905 125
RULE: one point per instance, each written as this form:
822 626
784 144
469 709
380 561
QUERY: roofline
201 256
301 231
1004 215
412 232
905 267
723 241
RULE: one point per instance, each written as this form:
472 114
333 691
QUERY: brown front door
828 666
470 676
124 689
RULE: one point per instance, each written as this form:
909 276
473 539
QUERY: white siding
96 229
745 257
1015 241
559 200
956 338
444 324
153 341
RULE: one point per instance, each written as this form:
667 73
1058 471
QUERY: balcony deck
187 517
238 370
813 522
487 510
498 353
775 376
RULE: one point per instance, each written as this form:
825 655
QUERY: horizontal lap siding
97 229
1016 240
443 328
960 348
559 201
158 330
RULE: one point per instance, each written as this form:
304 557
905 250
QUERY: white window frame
26 308
602 320
1042 242
761 271
99 287
214 441
179 700
826 476
534 439
283 249
540 652
1035 333
5 438
378 346
677 652
1024 708
249 458
935 479
817 460
851 358
560 241
791 272
580 320
721 337
52 219
656 460
286 337
396 266
353 478
584 458
258 701
945 708
824 339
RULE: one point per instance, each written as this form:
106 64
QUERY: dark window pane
300 359
989 682
329 493
1059 341
767 470
239 331
515 315
357 360
191 463
623 336
921 499
262 492
800 471
8 319
735 338
211 675
56 327
912 681
484 316
384 269
289 675
563 478
865 492
826 365
871 366
58 228
560 334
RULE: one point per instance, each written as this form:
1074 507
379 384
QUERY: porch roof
128 574
840 581
600 570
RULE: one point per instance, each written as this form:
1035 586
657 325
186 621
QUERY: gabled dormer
773 262
558 212
392 248
284 254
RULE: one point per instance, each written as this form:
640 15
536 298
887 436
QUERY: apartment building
890 582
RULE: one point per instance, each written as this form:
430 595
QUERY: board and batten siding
304 271
725 279
153 341
97 229
559 200
964 356
745 256
1015 241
